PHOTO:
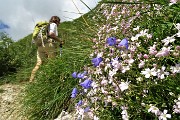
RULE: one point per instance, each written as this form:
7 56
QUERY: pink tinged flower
154 110
164 115
149 72
178 47
141 64
124 85
172 2
139 55
176 107
163 53
152 50
104 82
138 13
145 56
149 36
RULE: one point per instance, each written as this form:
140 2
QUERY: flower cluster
161 115
176 107
128 65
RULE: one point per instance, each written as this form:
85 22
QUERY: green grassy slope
50 93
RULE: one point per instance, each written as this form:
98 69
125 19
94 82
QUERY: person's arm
53 33
53 36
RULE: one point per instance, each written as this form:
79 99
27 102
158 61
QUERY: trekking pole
60 47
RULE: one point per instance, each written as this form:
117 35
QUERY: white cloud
21 15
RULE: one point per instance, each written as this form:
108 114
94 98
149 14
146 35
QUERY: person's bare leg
39 62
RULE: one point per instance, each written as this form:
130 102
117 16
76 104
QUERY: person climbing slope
48 48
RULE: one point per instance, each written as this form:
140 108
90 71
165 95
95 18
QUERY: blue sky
21 15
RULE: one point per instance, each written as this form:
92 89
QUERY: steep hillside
126 56
53 78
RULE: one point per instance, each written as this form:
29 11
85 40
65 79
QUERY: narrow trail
10 102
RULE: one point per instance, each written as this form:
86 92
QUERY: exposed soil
10 102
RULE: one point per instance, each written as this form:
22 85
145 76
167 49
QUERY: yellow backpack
40 33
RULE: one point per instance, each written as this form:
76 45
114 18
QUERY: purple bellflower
87 109
74 92
85 72
86 84
80 75
80 103
74 75
96 61
123 43
111 41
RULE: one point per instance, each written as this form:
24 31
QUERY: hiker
49 48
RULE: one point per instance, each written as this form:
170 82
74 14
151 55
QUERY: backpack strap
42 39
41 35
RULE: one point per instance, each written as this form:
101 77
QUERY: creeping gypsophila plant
132 73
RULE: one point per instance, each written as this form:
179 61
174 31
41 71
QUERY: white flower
112 72
98 71
96 118
172 2
130 61
149 72
139 79
175 69
177 26
124 113
116 64
125 68
124 85
100 54
164 115
135 29
178 34
143 32
134 38
161 73
168 40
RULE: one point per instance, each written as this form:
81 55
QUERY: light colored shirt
53 28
